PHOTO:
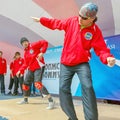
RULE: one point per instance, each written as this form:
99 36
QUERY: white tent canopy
15 21
15 18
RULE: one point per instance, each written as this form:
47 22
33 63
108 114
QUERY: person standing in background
3 70
18 80
11 77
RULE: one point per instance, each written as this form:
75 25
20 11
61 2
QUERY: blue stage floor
6 97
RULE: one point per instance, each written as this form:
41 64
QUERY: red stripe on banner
59 8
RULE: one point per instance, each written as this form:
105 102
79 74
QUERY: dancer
81 34
34 61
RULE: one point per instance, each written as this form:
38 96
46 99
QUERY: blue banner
106 80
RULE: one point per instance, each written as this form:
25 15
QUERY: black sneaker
14 94
9 93
70 119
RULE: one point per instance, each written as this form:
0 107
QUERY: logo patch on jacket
31 51
88 35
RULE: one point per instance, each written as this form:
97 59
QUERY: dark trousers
11 83
17 81
2 84
88 96
35 76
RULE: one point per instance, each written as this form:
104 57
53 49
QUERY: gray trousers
35 76
88 95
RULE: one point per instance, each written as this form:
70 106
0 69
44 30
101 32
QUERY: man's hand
35 19
18 74
40 55
111 61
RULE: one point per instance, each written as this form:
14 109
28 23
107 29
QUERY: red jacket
31 53
77 41
3 66
17 65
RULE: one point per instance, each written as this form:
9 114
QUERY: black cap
23 39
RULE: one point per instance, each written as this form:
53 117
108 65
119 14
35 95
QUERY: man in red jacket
34 62
18 62
11 82
3 69
81 34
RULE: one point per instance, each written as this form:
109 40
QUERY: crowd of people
15 82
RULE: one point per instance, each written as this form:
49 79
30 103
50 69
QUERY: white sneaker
51 105
22 102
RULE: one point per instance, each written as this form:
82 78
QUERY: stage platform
36 109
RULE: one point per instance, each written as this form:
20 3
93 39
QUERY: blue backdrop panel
106 80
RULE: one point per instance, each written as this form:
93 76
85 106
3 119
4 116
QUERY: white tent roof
15 21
